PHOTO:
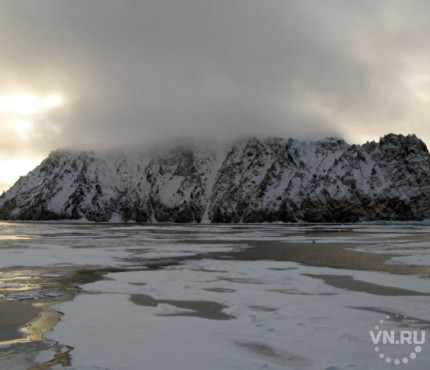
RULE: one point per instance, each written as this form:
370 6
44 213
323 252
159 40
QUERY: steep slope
169 186
256 180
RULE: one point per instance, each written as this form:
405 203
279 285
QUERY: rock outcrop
257 180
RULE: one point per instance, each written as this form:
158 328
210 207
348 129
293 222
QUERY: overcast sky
139 71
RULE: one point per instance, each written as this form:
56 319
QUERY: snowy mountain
256 180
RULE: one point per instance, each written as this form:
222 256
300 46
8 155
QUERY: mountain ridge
255 180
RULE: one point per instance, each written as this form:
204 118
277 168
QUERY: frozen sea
212 297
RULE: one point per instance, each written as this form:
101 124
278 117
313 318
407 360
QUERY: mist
137 72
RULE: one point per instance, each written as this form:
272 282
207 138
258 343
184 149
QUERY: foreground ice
279 319
213 313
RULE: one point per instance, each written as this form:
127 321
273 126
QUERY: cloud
141 71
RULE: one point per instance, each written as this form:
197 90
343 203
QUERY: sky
107 73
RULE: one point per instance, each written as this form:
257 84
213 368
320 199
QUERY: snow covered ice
180 297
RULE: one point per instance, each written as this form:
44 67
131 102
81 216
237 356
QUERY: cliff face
255 181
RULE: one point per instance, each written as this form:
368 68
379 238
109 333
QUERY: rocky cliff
255 181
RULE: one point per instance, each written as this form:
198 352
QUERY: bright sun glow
24 117
12 168
27 104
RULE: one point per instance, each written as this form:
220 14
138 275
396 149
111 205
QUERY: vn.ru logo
397 346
